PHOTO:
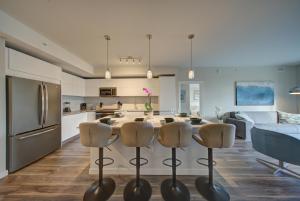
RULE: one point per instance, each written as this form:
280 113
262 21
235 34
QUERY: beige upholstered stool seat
214 136
93 134
175 135
98 135
137 134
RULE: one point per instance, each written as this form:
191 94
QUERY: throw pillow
245 117
288 118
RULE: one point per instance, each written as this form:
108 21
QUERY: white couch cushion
263 117
289 118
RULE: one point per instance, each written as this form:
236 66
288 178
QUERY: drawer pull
36 134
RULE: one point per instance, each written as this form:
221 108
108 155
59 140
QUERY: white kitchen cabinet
92 87
22 65
125 87
72 85
167 95
70 125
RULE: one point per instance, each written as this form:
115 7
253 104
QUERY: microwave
108 91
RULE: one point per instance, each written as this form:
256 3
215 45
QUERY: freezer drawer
27 148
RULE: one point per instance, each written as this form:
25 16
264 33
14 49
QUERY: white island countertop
155 154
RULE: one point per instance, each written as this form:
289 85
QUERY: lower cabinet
70 124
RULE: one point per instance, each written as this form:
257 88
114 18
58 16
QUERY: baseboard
3 174
132 171
75 137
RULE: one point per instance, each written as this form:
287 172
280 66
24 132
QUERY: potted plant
148 106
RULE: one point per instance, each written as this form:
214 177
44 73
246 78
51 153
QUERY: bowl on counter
105 121
139 119
118 115
183 114
169 119
195 120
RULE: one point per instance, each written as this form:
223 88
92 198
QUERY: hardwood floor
63 176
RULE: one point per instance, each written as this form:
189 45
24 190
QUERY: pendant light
191 74
149 72
107 72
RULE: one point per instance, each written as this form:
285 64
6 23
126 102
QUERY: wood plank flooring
63 176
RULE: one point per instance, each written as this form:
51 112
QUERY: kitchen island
155 153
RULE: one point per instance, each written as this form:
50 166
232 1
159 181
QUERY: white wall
3 171
218 87
31 41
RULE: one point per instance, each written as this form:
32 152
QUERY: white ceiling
227 32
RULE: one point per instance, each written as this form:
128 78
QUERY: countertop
77 112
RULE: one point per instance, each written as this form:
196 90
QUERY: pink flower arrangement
147 91
148 105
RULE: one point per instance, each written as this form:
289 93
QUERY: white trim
3 174
149 171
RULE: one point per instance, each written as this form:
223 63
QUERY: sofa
267 120
274 134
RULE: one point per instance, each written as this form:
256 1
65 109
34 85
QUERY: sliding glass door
189 97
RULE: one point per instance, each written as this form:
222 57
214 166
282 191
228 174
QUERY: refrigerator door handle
42 111
46 104
36 134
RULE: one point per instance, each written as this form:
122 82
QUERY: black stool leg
102 189
137 189
206 186
172 189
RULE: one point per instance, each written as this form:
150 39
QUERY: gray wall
298 97
3 171
218 87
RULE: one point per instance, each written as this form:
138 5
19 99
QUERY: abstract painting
254 93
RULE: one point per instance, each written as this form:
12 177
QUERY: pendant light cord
107 54
191 54
149 53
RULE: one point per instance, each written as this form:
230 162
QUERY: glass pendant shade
191 74
295 91
107 74
149 74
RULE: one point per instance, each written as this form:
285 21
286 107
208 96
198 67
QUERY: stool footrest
111 161
178 162
204 164
133 161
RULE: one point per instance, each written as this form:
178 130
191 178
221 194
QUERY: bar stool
175 135
98 135
214 136
137 134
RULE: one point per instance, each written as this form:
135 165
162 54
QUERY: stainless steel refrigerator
33 121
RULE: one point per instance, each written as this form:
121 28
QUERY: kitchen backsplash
129 103
74 102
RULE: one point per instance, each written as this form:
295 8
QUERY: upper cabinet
125 87
72 85
22 65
